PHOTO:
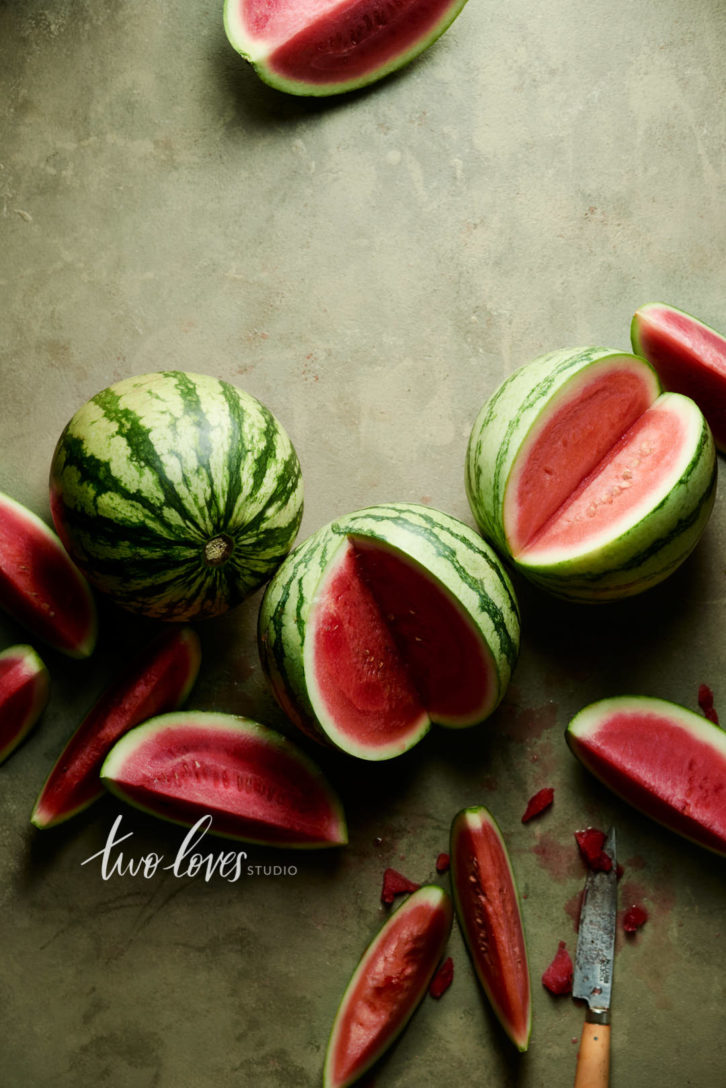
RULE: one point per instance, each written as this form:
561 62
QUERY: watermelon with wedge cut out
328 47
384 621
589 478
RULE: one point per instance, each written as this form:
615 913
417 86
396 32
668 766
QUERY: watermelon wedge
387 620
255 784
24 692
158 680
40 586
666 761
388 985
328 47
690 358
487 906
589 478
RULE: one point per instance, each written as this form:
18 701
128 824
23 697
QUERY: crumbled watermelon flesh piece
442 863
591 842
705 702
442 979
634 917
558 976
538 803
395 883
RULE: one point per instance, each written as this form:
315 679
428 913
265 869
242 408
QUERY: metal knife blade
593 973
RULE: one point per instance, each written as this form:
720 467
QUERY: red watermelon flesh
664 760
40 586
643 463
24 692
254 783
690 358
157 680
391 649
588 421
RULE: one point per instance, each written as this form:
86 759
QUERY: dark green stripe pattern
152 469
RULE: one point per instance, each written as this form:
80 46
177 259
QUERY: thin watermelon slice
666 761
158 680
24 693
487 906
689 356
385 621
328 47
255 784
388 985
595 483
40 586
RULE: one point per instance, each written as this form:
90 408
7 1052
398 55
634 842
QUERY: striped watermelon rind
176 493
451 554
651 547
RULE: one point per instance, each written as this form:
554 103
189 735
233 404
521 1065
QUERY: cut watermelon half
595 482
255 784
690 358
666 761
24 693
388 985
323 47
384 622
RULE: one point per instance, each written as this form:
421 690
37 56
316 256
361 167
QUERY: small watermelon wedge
24 693
591 480
40 586
690 358
255 784
384 621
389 983
330 47
664 760
159 679
488 910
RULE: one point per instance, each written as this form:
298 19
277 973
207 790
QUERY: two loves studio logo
189 860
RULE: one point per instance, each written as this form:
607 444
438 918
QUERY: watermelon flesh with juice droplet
487 907
24 693
325 47
387 986
255 784
385 621
159 679
666 761
689 356
40 586
594 482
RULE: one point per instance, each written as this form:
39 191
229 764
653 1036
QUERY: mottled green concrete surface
371 268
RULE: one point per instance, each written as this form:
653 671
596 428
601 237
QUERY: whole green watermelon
176 493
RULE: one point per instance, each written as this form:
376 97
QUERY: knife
593 973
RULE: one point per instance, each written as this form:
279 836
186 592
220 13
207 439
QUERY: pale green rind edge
244 45
484 818
439 900
219 720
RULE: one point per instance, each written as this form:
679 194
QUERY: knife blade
593 972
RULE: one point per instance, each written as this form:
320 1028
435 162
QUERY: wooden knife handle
593 1057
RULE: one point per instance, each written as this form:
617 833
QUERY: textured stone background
371 268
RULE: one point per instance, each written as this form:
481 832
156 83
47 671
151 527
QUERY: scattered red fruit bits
705 701
442 863
591 842
541 801
634 918
558 976
442 979
395 883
